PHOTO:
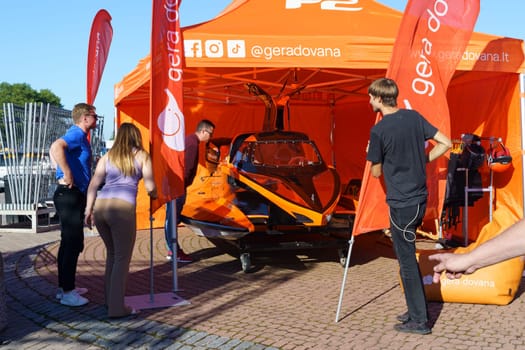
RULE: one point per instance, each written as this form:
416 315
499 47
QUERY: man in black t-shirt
397 150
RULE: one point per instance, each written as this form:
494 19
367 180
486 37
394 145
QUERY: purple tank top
118 185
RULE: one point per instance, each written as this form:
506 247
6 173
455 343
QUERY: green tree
20 93
47 96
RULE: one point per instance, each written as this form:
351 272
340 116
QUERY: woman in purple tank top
114 211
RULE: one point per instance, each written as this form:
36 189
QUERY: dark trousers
168 225
70 204
403 225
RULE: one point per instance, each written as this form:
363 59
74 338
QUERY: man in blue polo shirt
72 154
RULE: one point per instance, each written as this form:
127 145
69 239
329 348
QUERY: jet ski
266 190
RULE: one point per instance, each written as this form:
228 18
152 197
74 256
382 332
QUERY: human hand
89 219
153 194
68 180
454 265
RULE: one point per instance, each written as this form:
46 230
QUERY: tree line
21 93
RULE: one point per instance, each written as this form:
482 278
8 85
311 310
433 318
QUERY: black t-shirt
191 158
398 143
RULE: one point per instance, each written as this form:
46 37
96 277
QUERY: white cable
405 231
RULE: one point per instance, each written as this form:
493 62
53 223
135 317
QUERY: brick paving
288 301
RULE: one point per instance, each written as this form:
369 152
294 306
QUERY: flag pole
161 62
152 300
347 263
151 269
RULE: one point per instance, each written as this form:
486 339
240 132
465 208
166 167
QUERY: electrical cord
405 231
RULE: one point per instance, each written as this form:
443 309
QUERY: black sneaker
413 327
403 318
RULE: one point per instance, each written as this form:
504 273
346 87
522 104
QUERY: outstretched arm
509 244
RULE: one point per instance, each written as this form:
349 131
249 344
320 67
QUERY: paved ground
288 301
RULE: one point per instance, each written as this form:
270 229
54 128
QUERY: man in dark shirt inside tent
203 133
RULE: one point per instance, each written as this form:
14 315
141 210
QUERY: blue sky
45 44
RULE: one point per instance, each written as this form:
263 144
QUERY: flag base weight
153 301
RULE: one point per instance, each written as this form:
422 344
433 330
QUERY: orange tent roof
269 43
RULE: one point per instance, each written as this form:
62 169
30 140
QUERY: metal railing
26 133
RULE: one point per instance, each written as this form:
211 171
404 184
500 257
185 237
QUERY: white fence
26 134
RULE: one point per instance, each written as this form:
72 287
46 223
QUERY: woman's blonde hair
127 143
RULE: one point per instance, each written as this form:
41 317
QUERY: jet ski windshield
280 153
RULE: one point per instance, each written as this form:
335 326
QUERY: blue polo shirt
78 156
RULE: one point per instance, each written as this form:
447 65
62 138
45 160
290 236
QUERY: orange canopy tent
333 51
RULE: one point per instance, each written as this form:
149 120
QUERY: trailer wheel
246 263
225 246
343 254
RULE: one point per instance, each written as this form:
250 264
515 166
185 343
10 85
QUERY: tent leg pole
347 262
151 269
522 115
173 243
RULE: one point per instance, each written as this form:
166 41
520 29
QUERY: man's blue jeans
168 225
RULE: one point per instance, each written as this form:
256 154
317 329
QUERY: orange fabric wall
229 120
487 104
352 130
315 120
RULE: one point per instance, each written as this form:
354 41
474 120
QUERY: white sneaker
79 290
73 299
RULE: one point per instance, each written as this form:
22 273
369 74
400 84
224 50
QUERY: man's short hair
81 109
386 89
204 124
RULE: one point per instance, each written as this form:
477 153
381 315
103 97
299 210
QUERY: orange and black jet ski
265 190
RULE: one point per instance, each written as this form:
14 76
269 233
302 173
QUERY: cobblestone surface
288 301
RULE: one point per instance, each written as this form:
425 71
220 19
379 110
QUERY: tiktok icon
236 48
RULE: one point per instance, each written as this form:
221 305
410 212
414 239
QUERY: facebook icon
192 48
